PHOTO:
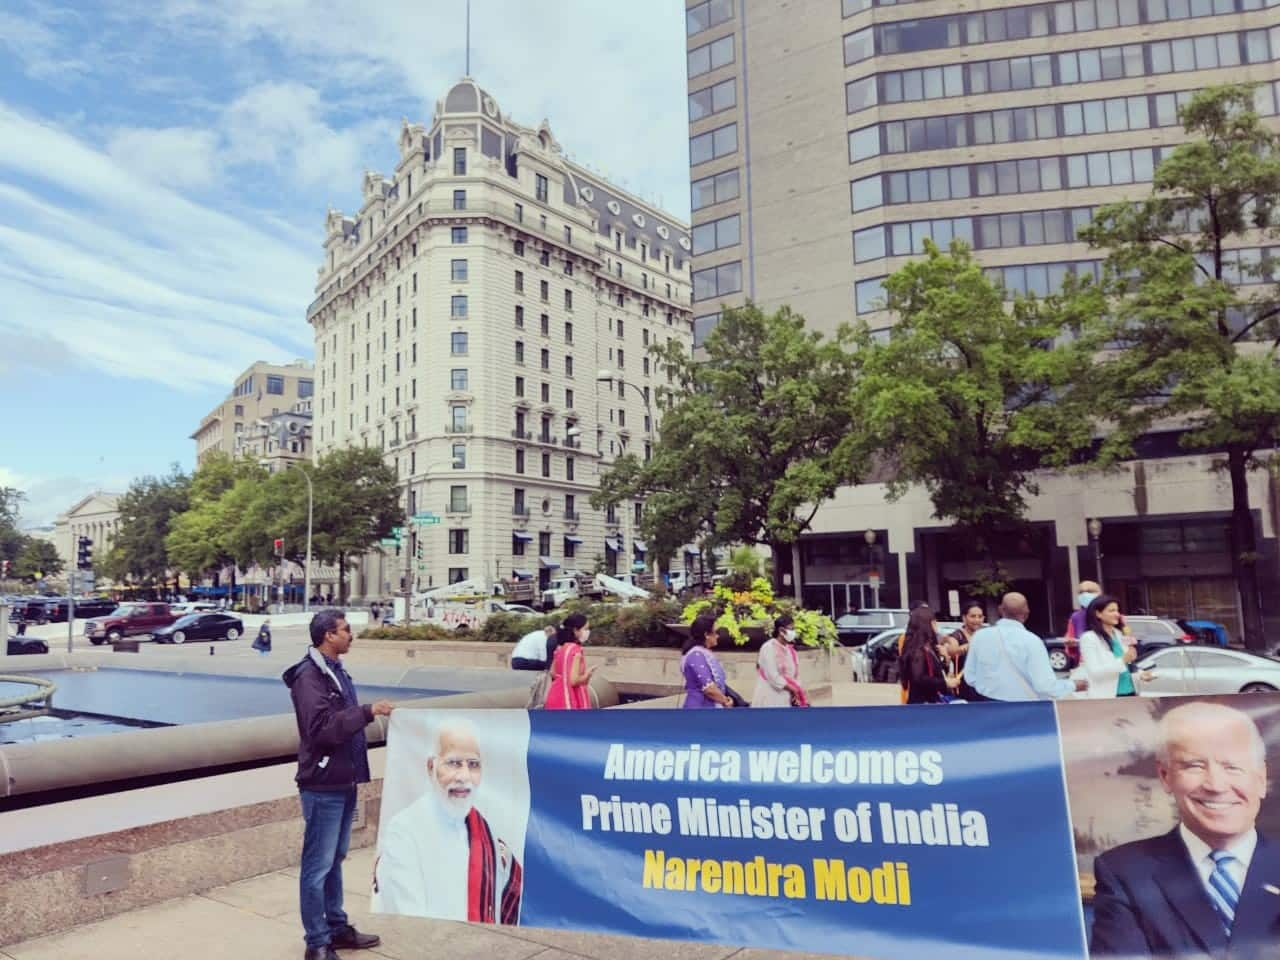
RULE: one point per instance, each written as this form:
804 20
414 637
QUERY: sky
166 165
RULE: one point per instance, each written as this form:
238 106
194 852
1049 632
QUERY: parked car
191 606
57 608
858 627
21 645
877 659
1148 632
129 620
200 626
1196 668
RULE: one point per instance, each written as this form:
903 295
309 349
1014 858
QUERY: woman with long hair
921 673
778 669
570 687
1104 655
704 680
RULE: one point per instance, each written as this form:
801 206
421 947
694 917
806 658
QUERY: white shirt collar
1242 849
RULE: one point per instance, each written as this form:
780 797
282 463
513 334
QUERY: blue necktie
1222 887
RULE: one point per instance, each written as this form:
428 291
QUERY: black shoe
349 938
321 953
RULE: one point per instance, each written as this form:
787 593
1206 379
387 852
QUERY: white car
1186 668
192 606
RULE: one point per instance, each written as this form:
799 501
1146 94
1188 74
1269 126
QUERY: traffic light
279 545
84 554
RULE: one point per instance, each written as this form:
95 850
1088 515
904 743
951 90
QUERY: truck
129 620
571 586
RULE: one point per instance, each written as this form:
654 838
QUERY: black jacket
331 752
926 676
1149 902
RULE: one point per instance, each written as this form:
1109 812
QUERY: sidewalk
258 918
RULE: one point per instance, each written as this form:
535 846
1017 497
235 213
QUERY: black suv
86 608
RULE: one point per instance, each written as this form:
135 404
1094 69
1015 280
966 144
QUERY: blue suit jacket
1149 902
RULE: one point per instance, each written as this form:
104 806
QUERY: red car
129 620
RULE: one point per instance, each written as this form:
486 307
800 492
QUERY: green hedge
612 625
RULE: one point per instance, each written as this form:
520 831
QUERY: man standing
332 759
1211 886
1007 661
438 857
535 649
1088 592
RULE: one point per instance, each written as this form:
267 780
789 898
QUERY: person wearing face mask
778 669
570 687
1086 593
439 857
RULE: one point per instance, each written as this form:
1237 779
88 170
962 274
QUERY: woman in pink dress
778 669
570 675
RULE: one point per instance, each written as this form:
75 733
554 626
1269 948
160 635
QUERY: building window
520 317
544 258
458 418
517 544
717 281
275 385
568 266
544 543
519 282
568 398
568 300
519 213
544 290
711 100
568 332
621 326
458 344
707 15
546 392
519 459
459 456
458 574
568 239
544 324
710 56
458 305
519 386
458 378
568 367
459 199
546 359
239 410
458 271
713 144
459 161
458 498
540 187
570 547
568 468
458 234
459 541
519 248
716 235
715 189
519 345
306 388
546 465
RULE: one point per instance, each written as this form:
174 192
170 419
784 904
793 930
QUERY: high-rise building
485 319
263 391
829 139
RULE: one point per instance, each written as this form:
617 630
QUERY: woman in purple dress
704 683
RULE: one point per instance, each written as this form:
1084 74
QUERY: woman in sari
704 681
778 669
570 675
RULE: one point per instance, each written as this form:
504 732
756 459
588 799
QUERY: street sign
425 515
390 541
397 531
425 521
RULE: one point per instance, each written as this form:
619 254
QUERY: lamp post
1095 534
869 537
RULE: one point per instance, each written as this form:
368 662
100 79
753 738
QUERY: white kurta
422 862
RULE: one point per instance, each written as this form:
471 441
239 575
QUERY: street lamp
608 376
1095 534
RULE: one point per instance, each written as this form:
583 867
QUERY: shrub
416 632
735 609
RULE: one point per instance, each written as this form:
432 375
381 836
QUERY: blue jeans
328 815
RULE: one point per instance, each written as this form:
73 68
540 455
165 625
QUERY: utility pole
407 545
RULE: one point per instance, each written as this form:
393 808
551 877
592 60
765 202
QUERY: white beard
455 807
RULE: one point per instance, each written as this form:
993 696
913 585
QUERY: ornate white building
485 320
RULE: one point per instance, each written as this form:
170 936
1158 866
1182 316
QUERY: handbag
738 699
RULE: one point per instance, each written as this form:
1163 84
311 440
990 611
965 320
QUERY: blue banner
894 832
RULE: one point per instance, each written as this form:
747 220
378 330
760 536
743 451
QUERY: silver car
877 659
1190 668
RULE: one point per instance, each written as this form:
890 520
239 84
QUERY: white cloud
38 48
182 157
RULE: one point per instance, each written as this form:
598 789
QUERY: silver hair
451 725
1202 712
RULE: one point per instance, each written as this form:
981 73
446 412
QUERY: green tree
747 449
148 507
11 539
357 502
971 394
38 558
199 541
1194 322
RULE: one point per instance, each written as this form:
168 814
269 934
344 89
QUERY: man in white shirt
534 650
1211 886
438 857
1006 661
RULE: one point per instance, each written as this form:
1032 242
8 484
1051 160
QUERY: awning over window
548 564
522 536
574 540
639 546
613 544
523 574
